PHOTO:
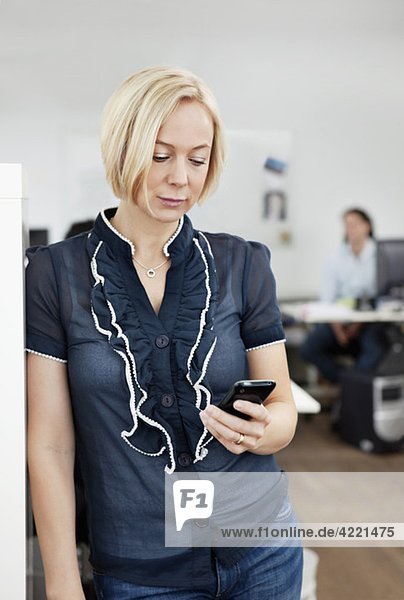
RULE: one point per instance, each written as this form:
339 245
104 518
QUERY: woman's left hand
236 434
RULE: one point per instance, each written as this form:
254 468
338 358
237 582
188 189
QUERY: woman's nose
178 174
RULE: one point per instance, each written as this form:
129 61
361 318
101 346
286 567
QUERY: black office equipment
390 269
372 411
390 292
38 237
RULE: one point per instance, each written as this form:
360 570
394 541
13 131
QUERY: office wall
330 73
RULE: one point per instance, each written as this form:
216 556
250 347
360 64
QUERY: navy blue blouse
138 380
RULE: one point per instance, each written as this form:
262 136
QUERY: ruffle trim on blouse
193 339
196 340
115 318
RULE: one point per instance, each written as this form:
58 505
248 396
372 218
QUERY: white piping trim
135 410
200 450
265 345
207 243
172 238
46 355
200 388
206 361
98 278
131 244
112 228
202 320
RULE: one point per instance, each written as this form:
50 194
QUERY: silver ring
240 439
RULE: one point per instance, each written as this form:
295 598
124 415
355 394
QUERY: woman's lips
171 202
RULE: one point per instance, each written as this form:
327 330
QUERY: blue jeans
321 348
270 573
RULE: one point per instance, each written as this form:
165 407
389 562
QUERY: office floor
346 573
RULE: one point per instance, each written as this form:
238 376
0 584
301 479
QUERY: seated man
350 273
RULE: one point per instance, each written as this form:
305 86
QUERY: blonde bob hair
132 119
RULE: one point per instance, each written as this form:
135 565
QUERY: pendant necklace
152 271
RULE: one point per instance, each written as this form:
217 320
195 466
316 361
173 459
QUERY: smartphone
253 390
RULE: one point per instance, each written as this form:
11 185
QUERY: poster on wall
253 199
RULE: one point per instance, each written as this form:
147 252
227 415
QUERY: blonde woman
135 331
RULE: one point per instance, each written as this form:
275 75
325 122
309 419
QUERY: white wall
330 72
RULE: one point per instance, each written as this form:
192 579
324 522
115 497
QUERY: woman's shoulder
54 257
69 246
236 257
228 242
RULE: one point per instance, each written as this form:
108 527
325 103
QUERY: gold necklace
152 271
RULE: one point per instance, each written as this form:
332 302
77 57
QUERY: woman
350 274
135 331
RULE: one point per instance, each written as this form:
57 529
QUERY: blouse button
167 400
162 341
184 459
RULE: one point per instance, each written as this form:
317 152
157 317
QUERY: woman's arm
51 450
272 425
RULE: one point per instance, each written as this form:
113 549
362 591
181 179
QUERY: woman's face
356 229
180 163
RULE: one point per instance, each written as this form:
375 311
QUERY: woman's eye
198 161
160 157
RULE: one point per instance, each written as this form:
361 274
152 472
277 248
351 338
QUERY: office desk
305 403
322 312
307 314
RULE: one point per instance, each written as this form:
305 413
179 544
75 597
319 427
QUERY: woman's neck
146 233
358 245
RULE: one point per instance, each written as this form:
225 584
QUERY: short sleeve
261 318
45 334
